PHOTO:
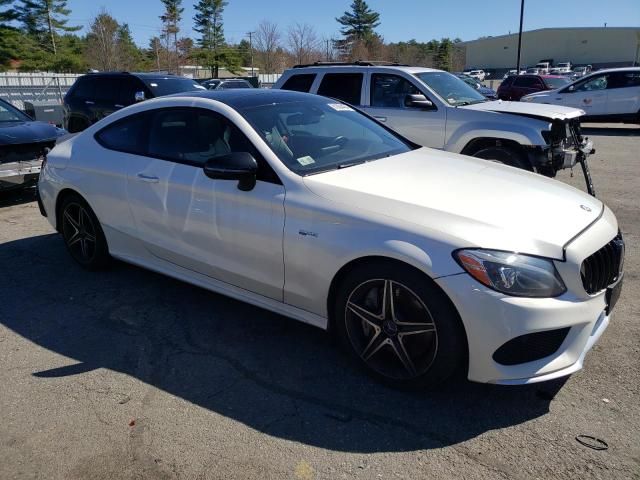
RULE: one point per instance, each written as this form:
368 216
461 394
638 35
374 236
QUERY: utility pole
520 36
251 49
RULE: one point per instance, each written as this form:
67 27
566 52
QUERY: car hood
464 200
551 112
14 133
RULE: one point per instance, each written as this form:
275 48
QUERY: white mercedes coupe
422 262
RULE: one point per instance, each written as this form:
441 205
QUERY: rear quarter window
299 83
127 135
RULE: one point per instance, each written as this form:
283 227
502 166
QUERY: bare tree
102 42
267 42
304 44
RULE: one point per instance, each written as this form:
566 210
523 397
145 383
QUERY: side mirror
571 88
417 101
239 166
139 96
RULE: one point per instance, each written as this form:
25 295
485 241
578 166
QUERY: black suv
96 95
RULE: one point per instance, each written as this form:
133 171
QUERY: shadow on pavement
271 373
17 196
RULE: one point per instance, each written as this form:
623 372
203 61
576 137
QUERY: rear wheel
398 325
83 234
505 155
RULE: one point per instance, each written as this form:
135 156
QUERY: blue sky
401 19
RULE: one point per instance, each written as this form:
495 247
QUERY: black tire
82 233
433 340
505 155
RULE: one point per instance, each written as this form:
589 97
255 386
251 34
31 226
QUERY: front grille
530 347
603 268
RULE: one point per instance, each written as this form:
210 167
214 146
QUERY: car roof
247 98
322 68
141 75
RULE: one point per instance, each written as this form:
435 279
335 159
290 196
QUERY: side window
595 83
127 135
107 90
83 88
127 90
525 82
194 136
623 80
507 82
299 83
343 86
390 90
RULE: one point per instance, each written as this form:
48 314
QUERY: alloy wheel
391 329
79 232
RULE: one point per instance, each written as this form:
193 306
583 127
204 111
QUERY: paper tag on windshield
341 107
306 160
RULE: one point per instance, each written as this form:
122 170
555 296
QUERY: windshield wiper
350 164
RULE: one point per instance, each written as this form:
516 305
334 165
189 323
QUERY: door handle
147 178
380 119
89 102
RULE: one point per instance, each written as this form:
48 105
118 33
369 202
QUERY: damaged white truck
436 109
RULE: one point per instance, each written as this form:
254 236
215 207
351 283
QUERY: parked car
475 83
96 95
561 68
533 71
436 109
23 145
479 74
222 84
579 72
514 88
543 67
514 72
420 261
606 95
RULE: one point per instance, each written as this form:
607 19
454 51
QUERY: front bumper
14 174
492 319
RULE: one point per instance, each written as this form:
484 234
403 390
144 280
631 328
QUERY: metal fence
16 88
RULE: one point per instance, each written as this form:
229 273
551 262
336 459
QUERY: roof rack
357 63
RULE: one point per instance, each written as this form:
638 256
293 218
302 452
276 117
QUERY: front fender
526 132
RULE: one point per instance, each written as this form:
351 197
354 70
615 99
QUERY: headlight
512 273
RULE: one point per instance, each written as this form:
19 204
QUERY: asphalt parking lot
128 374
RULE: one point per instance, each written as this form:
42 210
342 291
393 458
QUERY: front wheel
505 155
82 233
399 325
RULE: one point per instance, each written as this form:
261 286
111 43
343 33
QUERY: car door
623 93
107 97
204 225
524 85
589 95
387 102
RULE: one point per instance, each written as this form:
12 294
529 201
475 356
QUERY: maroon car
517 86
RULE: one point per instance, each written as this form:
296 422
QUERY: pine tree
208 23
359 24
129 54
8 14
171 19
45 20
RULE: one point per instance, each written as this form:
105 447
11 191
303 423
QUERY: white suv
606 95
436 109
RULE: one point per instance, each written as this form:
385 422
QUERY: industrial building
601 47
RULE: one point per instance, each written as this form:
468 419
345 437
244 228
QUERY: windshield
453 90
167 86
557 82
317 135
9 113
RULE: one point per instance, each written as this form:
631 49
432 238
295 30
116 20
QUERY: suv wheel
505 155
398 325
